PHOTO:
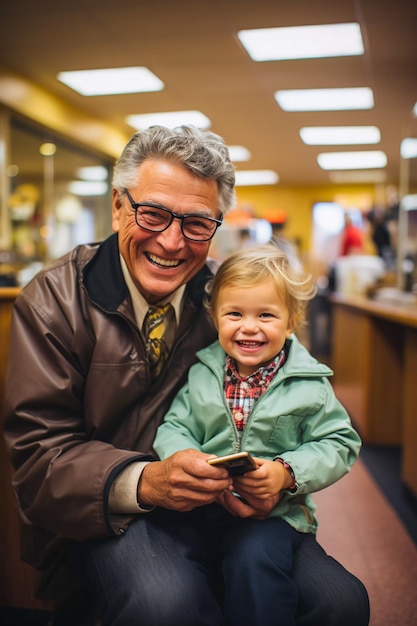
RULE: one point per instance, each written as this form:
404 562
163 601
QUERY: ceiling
193 48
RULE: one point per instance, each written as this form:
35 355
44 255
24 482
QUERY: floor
369 523
384 464
363 529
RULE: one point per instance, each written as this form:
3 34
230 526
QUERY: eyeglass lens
158 219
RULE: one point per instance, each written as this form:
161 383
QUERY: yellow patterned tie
155 331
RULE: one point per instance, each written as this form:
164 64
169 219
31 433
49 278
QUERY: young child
259 390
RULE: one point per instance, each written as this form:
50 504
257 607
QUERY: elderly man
101 341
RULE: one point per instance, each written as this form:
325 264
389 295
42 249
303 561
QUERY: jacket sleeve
180 429
61 476
329 445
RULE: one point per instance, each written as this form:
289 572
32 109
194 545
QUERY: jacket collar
106 286
299 361
103 277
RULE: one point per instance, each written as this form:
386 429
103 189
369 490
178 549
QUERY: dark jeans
250 551
167 571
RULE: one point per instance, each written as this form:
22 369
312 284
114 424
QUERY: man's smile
156 260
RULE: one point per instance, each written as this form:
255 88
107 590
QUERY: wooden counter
7 298
374 356
17 578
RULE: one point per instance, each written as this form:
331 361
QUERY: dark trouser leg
328 594
157 574
257 572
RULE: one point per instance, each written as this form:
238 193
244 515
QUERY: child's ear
292 323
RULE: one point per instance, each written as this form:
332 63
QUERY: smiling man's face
159 263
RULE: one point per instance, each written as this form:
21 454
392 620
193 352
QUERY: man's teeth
165 262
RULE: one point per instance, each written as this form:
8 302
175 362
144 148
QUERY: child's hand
256 508
265 482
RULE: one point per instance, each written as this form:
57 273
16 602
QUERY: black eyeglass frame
137 205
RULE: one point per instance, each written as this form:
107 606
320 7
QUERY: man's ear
116 209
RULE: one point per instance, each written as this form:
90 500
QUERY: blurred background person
352 238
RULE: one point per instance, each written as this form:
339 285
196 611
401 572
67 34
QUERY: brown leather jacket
79 402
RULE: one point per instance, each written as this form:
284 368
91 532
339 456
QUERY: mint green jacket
298 418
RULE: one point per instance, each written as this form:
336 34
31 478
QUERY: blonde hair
249 266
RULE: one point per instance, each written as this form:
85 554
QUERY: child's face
252 323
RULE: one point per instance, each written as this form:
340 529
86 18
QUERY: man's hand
182 482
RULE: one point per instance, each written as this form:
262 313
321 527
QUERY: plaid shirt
242 392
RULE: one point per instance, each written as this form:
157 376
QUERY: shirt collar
262 373
141 306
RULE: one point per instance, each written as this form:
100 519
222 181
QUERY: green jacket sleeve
330 445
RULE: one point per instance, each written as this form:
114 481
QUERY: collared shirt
242 392
141 306
123 492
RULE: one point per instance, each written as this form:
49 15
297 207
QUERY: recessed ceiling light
47 149
111 81
239 154
339 135
12 170
352 160
341 99
170 119
256 177
302 42
409 148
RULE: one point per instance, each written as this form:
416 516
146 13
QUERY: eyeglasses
155 219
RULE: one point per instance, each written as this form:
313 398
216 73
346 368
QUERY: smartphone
236 464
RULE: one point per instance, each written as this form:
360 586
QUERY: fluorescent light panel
256 177
352 160
170 119
339 135
408 148
239 154
341 99
88 188
111 81
302 42
92 172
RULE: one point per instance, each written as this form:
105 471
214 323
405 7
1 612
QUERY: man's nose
172 237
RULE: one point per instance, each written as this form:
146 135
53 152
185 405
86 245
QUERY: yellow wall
298 203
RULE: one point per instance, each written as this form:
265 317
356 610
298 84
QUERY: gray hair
202 152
